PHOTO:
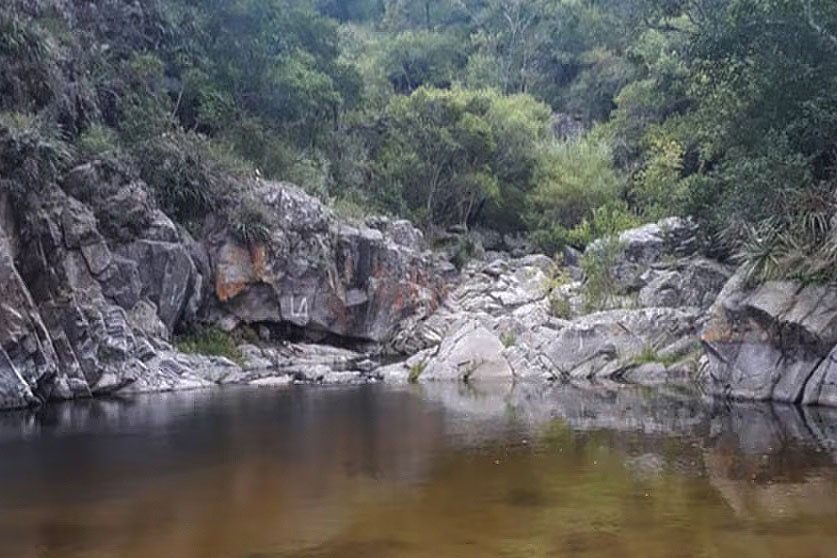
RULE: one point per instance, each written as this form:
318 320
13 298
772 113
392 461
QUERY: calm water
437 471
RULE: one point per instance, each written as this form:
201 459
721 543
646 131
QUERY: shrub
37 152
98 141
250 222
509 339
464 251
560 306
209 341
28 63
601 286
191 175
575 178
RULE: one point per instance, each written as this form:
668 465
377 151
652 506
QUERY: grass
351 208
209 341
99 141
560 306
559 303
509 339
416 371
250 222
650 355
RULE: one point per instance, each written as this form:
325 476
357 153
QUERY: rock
401 232
144 319
122 204
167 275
343 378
254 358
505 295
491 241
273 381
773 342
647 245
694 282
322 276
469 354
603 345
518 245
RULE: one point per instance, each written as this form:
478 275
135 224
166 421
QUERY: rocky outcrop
322 275
96 280
94 290
524 318
776 341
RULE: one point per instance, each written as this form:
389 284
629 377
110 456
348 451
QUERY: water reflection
433 470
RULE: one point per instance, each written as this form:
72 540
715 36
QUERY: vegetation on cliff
568 118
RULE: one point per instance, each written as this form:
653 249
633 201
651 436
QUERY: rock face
773 342
85 313
95 281
324 276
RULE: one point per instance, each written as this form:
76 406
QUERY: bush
99 141
250 222
37 151
29 72
190 175
209 341
456 157
601 286
575 178
464 251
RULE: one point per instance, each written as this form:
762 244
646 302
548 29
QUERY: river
418 471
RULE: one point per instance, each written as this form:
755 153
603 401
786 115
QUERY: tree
454 152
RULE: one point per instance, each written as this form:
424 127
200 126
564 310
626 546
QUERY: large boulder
774 341
323 276
470 353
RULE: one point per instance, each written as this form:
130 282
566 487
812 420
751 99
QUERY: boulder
644 246
693 282
772 342
469 354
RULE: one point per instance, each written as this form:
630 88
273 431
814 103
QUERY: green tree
453 153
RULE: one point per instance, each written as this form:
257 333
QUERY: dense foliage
458 112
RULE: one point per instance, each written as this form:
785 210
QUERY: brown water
439 471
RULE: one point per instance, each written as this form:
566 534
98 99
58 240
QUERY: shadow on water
431 470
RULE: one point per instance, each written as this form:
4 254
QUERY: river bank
97 290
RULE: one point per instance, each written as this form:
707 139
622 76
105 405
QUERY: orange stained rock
238 267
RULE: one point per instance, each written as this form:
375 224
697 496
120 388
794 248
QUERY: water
433 471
